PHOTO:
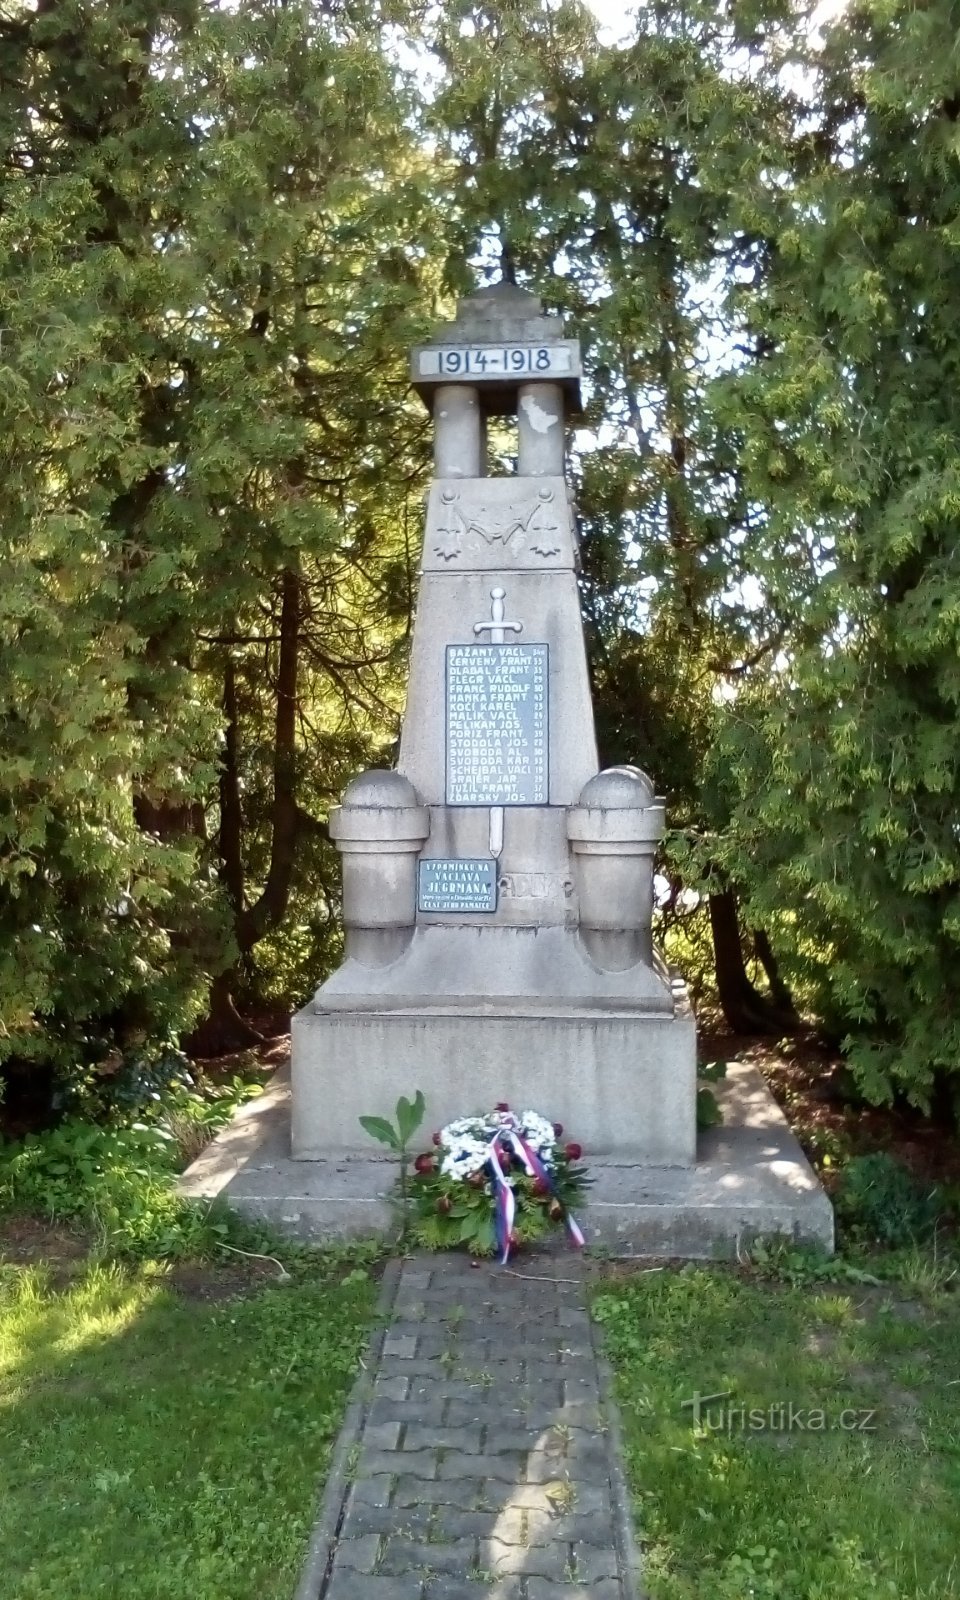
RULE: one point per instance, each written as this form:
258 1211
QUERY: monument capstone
498 887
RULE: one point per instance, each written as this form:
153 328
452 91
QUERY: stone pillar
379 830
614 831
540 430
458 433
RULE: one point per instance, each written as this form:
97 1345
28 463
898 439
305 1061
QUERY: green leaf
409 1117
379 1128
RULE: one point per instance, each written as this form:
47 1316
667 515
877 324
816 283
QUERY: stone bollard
379 829
614 830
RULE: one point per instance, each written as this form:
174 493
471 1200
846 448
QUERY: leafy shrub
118 1180
880 1199
123 1084
193 1113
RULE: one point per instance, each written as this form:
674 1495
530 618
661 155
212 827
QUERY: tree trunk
222 1030
744 1007
270 907
779 992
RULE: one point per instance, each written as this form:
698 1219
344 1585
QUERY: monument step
750 1180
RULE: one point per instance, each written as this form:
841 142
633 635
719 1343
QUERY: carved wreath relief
496 522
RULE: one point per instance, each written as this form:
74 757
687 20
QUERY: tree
201 388
845 761
612 176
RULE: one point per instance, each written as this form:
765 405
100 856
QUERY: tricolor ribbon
505 1203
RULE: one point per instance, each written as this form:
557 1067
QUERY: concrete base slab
750 1180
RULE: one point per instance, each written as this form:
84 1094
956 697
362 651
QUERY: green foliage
120 1180
204 316
124 1085
171 1442
203 436
709 1114
409 1116
879 1199
458 1213
725 1512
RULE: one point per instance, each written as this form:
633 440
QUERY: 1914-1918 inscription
497 725
457 885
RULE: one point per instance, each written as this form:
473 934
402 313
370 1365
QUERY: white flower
466 1141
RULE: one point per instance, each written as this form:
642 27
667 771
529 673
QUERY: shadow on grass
170 1449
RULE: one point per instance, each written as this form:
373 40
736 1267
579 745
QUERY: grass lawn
168 1445
743 1510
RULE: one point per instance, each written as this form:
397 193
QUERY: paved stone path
485 1467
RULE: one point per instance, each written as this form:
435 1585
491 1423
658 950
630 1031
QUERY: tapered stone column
498 899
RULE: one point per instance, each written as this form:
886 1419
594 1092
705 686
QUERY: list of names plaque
497 750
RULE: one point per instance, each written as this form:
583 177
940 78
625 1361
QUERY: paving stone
408 1366
471 1494
418 1437
400 1346
483 1468
562 1497
359 1554
438 1345
453 1523
406 1555
474 1589
374 1490
542 1527
511 1438
403 1411
412 1522
574 1317
552 1560
419 1463
547 1589
382 1435
506 1468
593 1563
389 1388
347 1585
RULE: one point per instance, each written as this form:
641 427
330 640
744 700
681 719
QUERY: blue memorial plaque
459 885
497 752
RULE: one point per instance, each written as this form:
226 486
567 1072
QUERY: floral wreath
495 1181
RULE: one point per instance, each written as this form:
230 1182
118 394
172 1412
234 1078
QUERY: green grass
795 1515
166 1448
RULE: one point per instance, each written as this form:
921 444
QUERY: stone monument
498 887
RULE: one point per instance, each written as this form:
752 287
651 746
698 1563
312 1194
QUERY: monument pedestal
622 1084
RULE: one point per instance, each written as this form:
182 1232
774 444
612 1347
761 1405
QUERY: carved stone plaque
457 885
496 725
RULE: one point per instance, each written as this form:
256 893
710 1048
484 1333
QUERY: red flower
443 1204
558 1130
573 1151
436 1138
556 1211
501 1105
476 1179
539 1187
425 1164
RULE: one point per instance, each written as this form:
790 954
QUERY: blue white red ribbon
505 1203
